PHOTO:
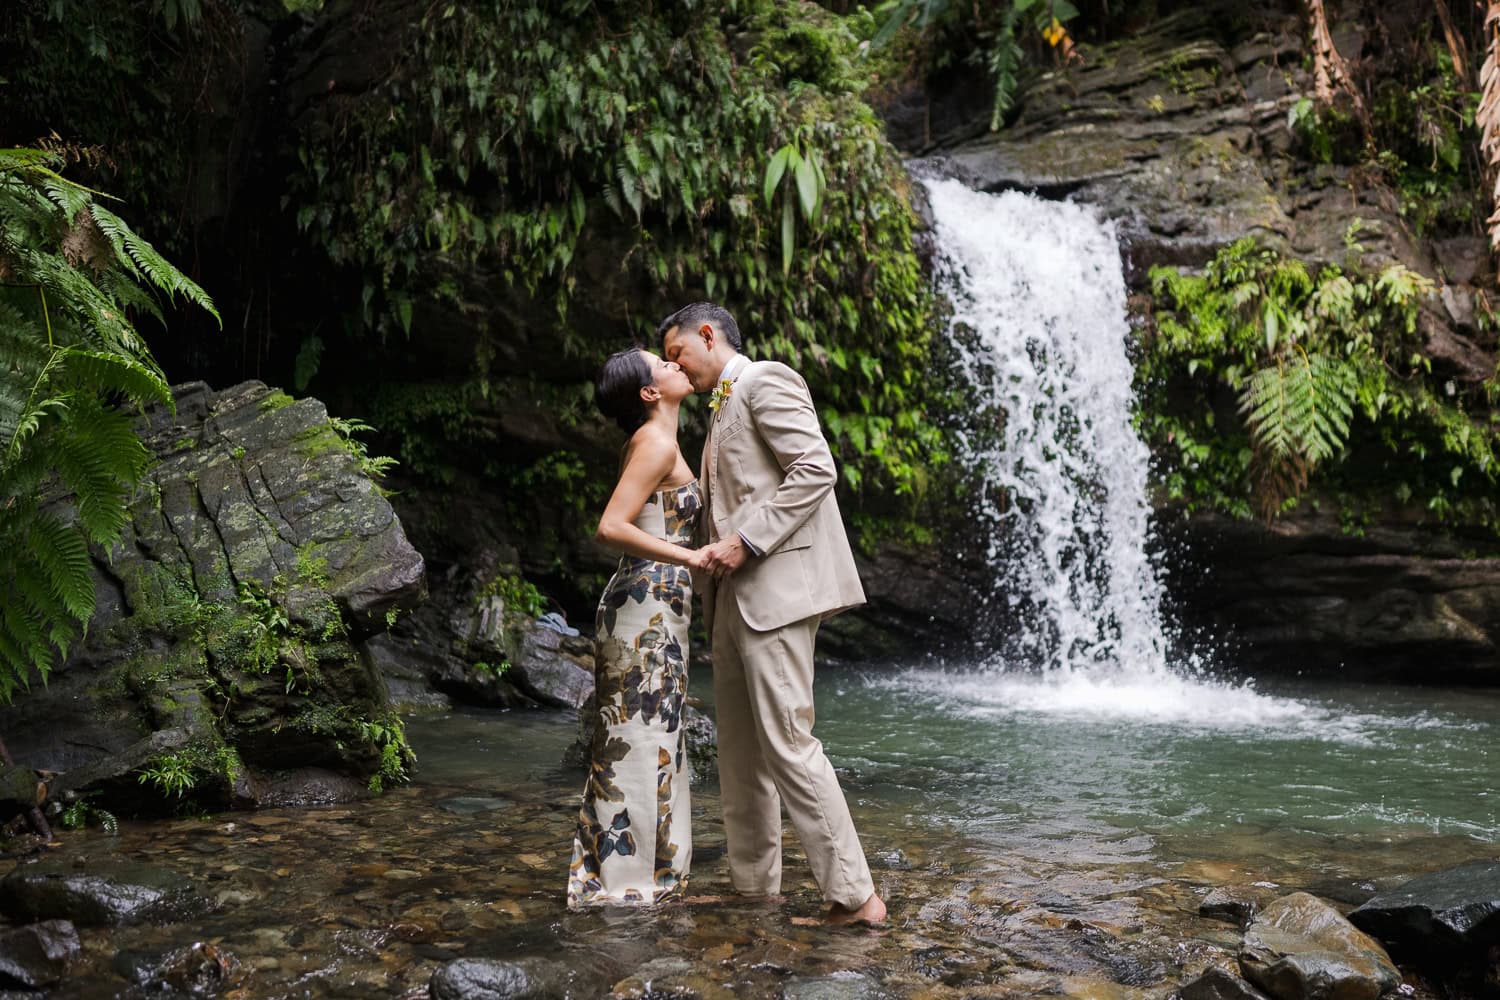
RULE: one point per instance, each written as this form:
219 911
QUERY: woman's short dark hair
618 390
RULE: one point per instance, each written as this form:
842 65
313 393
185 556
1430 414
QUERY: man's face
692 350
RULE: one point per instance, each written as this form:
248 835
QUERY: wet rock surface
1219 984
259 556
1300 948
106 895
1449 916
1401 602
492 979
1235 904
197 969
37 955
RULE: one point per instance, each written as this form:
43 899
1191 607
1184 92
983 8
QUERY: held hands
722 557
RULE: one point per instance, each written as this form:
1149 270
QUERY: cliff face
1181 136
227 652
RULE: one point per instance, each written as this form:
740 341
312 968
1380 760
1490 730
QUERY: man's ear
706 331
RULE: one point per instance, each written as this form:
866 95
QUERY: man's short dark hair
694 316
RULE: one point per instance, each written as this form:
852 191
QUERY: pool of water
1017 758
1031 836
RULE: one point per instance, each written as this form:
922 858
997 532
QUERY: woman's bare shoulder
651 445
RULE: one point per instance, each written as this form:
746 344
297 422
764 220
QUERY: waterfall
1038 297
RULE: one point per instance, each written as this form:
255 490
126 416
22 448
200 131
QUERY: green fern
1301 406
72 367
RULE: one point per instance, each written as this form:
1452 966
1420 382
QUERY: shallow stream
1030 835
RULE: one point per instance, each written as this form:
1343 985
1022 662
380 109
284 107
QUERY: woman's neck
664 415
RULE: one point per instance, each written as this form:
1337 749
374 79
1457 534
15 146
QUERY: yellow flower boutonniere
720 394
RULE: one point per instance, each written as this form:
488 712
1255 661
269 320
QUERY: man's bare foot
871 911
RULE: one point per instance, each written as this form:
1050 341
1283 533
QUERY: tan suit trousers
763 698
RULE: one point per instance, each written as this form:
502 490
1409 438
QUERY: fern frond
1005 57
100 458
66 360
138 381
141 256
1301 406
64 560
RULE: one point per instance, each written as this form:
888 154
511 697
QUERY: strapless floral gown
634 841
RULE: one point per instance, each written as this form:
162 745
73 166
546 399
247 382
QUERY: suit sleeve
782 410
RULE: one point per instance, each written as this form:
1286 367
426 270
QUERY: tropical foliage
551 145
73 279
1317 366
997 37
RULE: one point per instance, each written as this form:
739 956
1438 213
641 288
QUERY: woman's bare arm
649 460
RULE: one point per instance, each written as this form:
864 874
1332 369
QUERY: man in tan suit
780 563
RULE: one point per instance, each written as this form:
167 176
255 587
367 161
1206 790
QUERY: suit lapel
709 461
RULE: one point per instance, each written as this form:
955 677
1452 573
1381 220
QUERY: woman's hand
697 559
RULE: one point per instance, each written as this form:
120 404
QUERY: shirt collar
732 368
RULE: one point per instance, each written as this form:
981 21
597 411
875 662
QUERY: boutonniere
720 394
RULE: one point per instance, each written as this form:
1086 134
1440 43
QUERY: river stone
549 671
1237 904
1218 984
37 955
493 979
1450 912
297 788
110 897
838 986
198 969
1300 948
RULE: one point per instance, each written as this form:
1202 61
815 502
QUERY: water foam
1170 700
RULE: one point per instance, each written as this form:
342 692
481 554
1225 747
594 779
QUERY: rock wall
227 652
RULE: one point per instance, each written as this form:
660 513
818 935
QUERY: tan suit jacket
768 475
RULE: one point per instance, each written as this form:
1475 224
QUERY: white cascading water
1038 294
1038 285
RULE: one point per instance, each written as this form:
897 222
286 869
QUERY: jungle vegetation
454 225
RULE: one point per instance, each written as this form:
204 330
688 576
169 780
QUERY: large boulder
1219 984
1300 948
259 557
1450 917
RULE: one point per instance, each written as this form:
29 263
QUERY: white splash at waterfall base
1039 320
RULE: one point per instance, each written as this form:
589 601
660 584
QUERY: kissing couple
759 537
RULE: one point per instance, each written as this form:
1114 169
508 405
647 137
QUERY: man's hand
725 556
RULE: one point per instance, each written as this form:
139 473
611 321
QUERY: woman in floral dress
634 843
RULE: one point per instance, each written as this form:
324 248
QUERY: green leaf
807 187
788 234
775 171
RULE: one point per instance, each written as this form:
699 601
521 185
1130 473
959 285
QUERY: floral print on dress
637 759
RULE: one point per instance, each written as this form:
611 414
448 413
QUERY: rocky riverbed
383 898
